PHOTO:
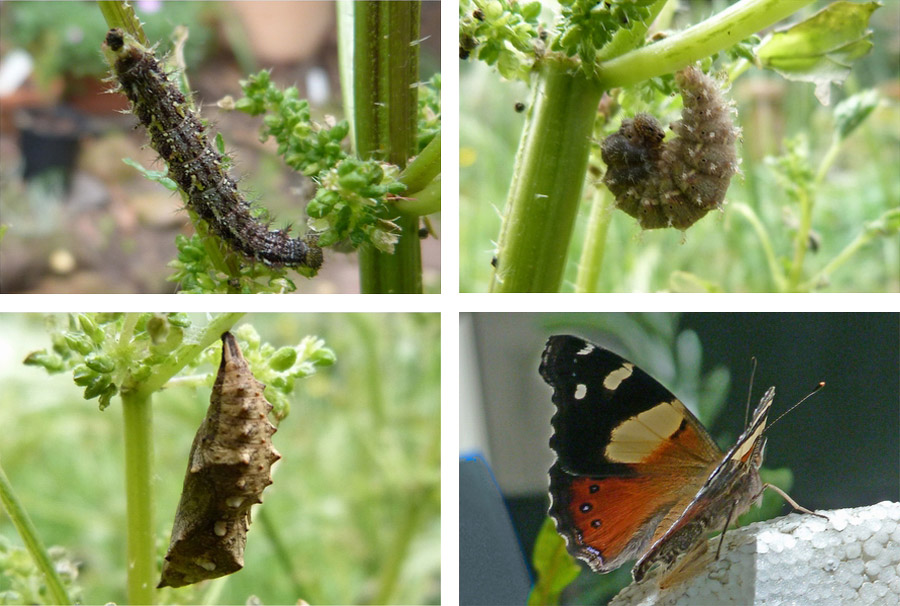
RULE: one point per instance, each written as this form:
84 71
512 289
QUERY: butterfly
636 474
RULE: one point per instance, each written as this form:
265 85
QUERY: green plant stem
424 202
390 572
717 33
801 239
141 532
385 70
32 541
887 224
118 13
424 167
594 242
282 551
547 181
763 236
828 159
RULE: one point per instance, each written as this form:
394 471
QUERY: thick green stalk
547 181
719 32
385 71
141 536
32 541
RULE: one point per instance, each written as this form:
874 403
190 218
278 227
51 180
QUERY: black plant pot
49 139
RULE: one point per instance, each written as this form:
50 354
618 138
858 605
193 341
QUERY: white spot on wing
587 349
580 391
615 378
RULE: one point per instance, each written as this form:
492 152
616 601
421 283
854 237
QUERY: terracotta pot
284 32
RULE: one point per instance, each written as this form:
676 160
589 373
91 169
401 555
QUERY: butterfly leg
724 528
790 501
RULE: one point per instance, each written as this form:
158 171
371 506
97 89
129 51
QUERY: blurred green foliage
353 515
65 37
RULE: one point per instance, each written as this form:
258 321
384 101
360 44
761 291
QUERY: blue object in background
492 568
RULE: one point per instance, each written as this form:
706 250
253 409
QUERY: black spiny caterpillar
676 182
228 469
177 134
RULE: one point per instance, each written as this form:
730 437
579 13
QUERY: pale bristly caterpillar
676 182
228 469
177 134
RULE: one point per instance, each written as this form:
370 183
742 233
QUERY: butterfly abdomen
675 183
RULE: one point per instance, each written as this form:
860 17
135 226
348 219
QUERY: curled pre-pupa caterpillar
675 183
177 134
228 469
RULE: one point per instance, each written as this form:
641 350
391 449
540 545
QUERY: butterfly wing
732 486
630 456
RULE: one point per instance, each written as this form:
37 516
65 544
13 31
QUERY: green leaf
556 569
822 48
853 111
154 175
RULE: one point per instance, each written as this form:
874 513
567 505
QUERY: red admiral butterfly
636 474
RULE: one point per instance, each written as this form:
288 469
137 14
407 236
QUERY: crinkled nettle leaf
821 49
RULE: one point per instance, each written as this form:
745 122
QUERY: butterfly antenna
805 398
750 390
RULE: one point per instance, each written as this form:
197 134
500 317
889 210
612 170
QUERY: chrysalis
229 467
177 134
675 183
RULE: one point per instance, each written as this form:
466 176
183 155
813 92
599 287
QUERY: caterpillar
177 134
228 469
674 183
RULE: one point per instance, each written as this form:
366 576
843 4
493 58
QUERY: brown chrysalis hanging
675 183
229 467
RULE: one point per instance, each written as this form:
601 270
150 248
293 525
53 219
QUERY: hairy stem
547 182
385 70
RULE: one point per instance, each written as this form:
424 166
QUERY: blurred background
353 516
722 249
841 445
79 219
